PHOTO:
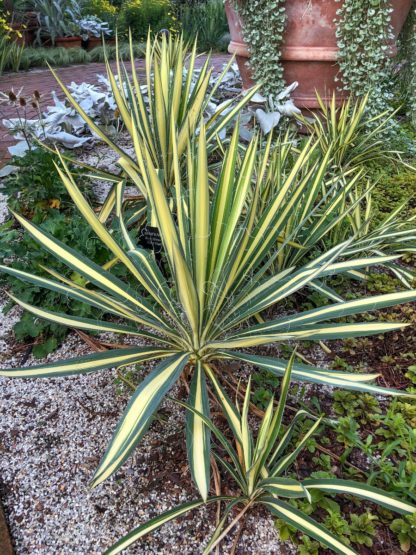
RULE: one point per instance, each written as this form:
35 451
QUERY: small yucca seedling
259 468
331 210
354 137
202 310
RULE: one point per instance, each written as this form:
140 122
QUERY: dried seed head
36 94
35 104
12 96
22 101
116 113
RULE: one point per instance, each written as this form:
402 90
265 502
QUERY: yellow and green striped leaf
89 363
138 414
157 522
364 491
306 525
198 434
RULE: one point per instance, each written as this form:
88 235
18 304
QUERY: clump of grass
61 57
207 22
98 53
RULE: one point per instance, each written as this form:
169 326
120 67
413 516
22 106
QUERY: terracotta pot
68 42
93 42
309 52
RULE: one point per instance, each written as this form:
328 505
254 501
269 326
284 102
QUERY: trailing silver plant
408 58
363 30
264 25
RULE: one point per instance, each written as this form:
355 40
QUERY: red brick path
43 81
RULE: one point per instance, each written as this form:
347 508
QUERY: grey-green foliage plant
264 24
260 468
56 19
363 30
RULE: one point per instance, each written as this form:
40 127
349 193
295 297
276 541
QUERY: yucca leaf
77 322
305 373
329 312
309 332
93 272
229 409
282 464
138 413
157 522
266 442
306 525
220 526
89 363
284 487
364 491
103 136
198 434
221 438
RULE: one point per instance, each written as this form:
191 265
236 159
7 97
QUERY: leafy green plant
405 529
35 187
259 467
200 309
36 191
362 529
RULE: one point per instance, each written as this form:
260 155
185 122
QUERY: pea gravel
52 435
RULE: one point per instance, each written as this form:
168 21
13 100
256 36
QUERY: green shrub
208 22
36 191
140 15
102 9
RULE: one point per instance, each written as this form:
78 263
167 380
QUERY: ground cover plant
36 191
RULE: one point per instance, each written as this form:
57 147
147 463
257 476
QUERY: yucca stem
231 525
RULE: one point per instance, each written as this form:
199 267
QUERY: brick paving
43 81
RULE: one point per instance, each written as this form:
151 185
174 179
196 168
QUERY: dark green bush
140 15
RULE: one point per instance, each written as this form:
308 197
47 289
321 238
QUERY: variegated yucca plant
355 138
259 467
202 308
333 207
173 94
